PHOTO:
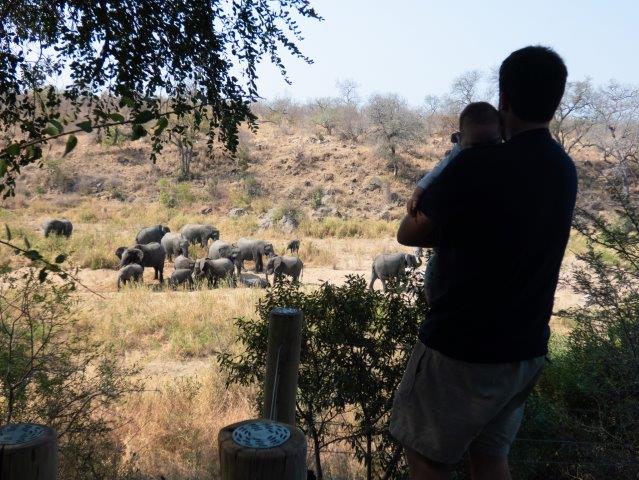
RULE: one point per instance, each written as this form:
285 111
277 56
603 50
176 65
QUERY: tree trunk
369 456
318 459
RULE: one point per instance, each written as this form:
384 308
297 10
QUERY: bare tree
465 88
326 114
616 132
575 116
348 90
393 125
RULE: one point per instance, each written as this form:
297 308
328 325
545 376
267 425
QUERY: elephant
198 233
254 282
151 234
180 276
60 226
279 266
182 262
214 269
150 255
130 273
251 249
219 249
392 265
119 251
175 244
293 247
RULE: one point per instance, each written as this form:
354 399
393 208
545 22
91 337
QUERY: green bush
175 195
355 346
53 374
318 194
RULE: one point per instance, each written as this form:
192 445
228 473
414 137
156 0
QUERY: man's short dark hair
479 113
533 80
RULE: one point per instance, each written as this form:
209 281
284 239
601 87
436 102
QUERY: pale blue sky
414 47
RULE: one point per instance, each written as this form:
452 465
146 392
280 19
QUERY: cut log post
28 452
282 364
286 461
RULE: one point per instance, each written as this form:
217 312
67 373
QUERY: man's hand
413 201
417 231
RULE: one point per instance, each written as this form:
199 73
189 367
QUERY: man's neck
518 126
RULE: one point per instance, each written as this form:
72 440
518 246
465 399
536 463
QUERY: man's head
479 124
531 83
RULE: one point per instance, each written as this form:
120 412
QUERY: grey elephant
58 226
180 276
130 273
214 270
199 233
175 244
279 266
293 247
220 249
182 262
119 251
151 255
252 249
254 281
392 266
151 234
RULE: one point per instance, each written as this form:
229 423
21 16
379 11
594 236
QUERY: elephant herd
223 261
156 245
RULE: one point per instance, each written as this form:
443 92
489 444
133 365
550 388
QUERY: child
479 124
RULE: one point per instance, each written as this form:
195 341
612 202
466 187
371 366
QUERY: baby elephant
254 282
130 273
214 270
293 247
56 226
392 265
182 262
280 266
180 276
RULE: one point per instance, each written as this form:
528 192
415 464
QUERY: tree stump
28 452
265 452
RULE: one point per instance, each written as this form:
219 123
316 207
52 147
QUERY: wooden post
28 452
282 364
286 461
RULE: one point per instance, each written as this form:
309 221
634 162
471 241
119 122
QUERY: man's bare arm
417 231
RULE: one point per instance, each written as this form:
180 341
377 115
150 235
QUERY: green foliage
54 374
175 195
333 227
355 346
318 194
587 402
287 210
113 137
207 69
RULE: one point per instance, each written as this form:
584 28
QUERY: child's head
479 124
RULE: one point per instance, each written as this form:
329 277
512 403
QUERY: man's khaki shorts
444 407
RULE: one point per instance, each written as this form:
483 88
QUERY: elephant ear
277 264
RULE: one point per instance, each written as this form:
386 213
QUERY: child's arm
429 178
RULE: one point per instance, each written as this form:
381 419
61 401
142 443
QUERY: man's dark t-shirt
504 214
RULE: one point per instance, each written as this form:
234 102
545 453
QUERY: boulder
374 183
329 176
237 212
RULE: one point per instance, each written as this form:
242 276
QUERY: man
500 218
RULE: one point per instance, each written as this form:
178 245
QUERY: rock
288 223
321 212
329 176
375 183
307 183
385 215
354 180
265 222
237 212
206 210
351 191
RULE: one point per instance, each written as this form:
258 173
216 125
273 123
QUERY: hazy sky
415 47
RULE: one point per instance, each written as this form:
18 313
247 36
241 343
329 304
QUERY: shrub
317 195
53 374
175 195
355 345
113 136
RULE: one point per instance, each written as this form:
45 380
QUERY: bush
318 194
175 195
53 374
355 346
